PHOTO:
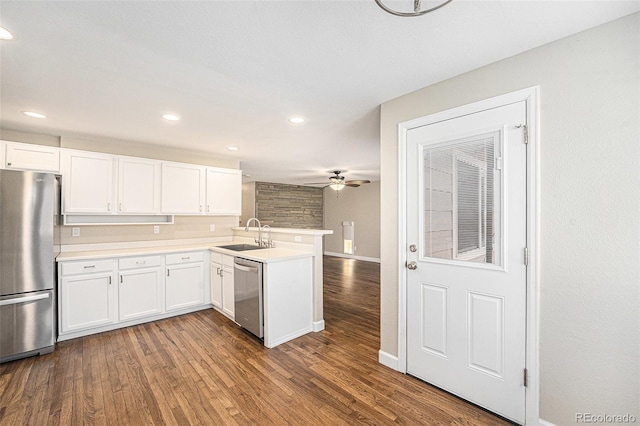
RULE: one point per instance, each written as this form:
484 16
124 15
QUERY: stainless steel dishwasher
248 295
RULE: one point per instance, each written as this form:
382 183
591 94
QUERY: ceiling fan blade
357 182
352 185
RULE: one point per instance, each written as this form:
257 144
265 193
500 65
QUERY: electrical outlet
212 227
156 229
75 232
297 239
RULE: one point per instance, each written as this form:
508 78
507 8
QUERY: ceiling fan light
337 186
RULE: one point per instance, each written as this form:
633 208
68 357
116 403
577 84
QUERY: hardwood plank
201 368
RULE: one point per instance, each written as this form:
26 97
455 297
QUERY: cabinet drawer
140 262
228 261
216 257
87 267
187 257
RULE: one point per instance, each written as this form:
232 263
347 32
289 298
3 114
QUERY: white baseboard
351 256
545 423
318 326
388 360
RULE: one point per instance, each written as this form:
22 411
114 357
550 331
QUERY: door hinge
525 381
526 256
525 129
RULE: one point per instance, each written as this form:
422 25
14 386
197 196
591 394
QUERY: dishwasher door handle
245 268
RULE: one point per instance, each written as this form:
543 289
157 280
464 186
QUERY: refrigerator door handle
23 299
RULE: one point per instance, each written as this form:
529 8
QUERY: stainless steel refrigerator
27 264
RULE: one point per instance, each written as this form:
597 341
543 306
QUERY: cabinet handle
120 279
208 208
200 208
218 272
8 164
109 279
141 262
167 272
89 266
186 258
109 207
120 207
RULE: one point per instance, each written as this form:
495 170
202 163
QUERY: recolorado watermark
605 418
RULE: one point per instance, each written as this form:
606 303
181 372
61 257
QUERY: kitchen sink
241 247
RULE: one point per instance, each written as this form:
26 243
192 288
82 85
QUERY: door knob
413 248
412 265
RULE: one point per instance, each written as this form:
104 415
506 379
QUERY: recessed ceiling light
170 117
34 114
296 120
233 148
5 34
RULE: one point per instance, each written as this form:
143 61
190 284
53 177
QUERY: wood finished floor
201 368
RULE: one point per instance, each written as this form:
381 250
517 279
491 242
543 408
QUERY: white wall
590 219
359 205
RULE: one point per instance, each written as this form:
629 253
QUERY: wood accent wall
289 206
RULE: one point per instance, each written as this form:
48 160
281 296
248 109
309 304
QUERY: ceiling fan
337 182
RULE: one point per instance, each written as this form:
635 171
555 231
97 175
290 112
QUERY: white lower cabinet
228 297
104 294
222 296
87 295
216 280
140 287
184 280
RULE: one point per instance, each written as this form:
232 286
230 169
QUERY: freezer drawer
26 324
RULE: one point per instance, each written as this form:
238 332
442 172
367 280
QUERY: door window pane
461 196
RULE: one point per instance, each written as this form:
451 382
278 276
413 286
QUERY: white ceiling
236 70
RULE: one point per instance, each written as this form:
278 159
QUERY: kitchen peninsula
107 286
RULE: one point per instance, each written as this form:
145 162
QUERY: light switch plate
156 229
212 227
75 232
297 239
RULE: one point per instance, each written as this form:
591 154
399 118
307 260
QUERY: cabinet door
140 293
228 300
87 301
216 284
138 186
184 286
183 188
22 156
87 182
224 192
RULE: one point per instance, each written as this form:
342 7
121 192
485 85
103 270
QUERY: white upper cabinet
138 186
87 182
224 192
24 156
183 188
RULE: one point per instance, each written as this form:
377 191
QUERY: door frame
531 97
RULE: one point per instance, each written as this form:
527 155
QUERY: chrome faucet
246 229
269 242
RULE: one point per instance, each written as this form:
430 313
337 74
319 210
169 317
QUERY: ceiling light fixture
296 120
5 34
170 117
233 148
416 8
34 114
337 186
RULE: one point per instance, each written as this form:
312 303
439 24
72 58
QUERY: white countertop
265 255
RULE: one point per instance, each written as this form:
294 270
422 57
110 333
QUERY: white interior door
466 221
